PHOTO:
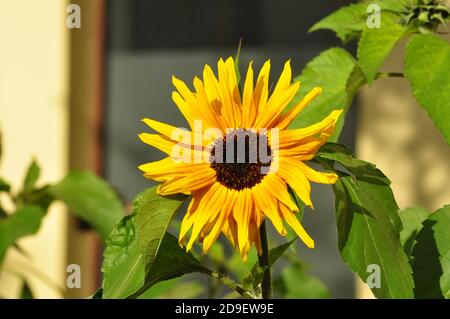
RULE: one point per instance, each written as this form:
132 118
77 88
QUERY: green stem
228 282
390 75
264 262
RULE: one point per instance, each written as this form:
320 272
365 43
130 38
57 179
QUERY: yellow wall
33 120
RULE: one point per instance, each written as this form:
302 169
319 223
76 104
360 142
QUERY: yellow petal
242 214
275 106
189 217
292 137
295 177
202 177
285 78
248 110
317 177
162 128
293 112
262 87
279 190
296 226
220 221
210 204
304 151
184 108
268 205
162 143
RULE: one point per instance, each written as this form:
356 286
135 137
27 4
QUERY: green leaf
31 177
368 223
348 22
171 262
91 199
296 283
427 68
4 185
152 220
336 72
123 267
412 219
25 221
431 264
377 43
254 278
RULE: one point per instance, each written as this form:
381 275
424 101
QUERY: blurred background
74 98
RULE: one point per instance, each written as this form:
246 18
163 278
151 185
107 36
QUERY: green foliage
123 267
296 283
128 270
153 216
254 278
431 256
427 68
412 219
171 261
31 177
25 221
348 22
336 72
426 15
376 44
90 198
368 223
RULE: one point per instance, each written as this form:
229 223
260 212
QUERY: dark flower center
241 159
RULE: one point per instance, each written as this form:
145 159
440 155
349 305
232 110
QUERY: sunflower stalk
228 282
264 263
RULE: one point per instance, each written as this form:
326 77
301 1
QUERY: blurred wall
33 121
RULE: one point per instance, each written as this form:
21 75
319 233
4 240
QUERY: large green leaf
25 221
90 198
348 22
431 264
368 223
412 219
123 267
254 278
377 43
427 68
152 220
171 261
336 72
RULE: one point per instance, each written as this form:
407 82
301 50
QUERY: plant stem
264 262
228 282
390 75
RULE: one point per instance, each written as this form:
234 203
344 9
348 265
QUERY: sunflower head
238 159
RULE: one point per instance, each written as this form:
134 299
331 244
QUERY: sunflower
239 158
